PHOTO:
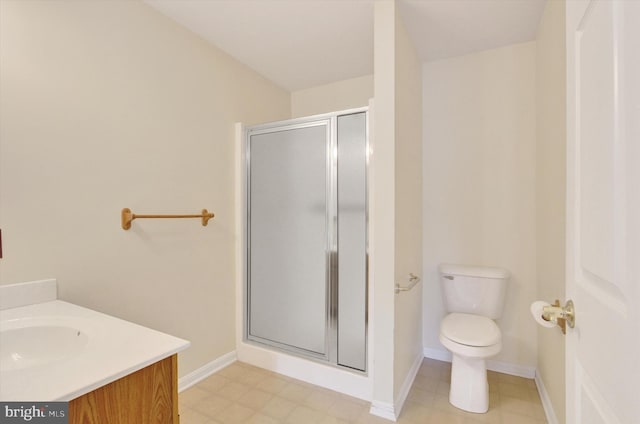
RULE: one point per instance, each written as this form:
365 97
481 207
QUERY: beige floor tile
213 383
328 419
445 370
242 393
211 405
531 383
303 414
347 409
493 386
235 413
233 371
192 396
190 416
442 417
494 400
518 406
261 419
518 391
510 417
534 396
413 412
255 399
272 384
295 392
426 383
490 417
441 402
233 390
538 411
278 407
424 397
321 400
429 372
475 420
443 388
362 402
492 376
252 377
372 419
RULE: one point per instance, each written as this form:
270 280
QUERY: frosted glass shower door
352 240
289 188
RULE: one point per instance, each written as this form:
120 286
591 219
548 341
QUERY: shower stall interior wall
306 228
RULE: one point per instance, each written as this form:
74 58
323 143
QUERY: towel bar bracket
413 280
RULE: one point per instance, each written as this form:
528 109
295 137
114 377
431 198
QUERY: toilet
473 298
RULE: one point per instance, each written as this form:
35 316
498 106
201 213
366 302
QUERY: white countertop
114 349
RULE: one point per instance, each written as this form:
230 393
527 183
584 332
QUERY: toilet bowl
471 339
474 297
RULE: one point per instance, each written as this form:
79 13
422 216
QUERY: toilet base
469 387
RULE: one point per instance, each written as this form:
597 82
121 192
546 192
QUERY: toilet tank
474 290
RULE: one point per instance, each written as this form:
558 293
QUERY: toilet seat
470 330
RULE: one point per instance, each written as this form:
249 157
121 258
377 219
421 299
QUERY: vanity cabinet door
147 396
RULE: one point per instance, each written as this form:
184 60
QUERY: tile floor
241 393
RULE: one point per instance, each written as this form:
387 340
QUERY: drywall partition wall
382 210
340 95
550 194
479 185
396 218
408 211
107 105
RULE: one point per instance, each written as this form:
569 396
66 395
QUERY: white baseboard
512 369
321 374
498 366
406 385
383 410
437 354
546 401
392 411
206 370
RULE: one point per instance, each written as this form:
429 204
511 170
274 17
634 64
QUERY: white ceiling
305 43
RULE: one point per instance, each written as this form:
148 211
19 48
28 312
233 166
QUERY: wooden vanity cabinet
147 396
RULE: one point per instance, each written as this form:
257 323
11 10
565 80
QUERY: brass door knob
561 315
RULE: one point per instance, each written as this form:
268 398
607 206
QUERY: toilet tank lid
473 271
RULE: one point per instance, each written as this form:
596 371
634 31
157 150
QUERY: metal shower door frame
330 354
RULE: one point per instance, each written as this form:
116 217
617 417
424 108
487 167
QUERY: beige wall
341 95
408 209
395 218
381 204
550 193
479 184
108 105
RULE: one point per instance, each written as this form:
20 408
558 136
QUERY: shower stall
306 229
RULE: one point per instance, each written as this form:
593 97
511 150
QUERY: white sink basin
57 351
36 345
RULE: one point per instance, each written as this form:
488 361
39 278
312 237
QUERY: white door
603 210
